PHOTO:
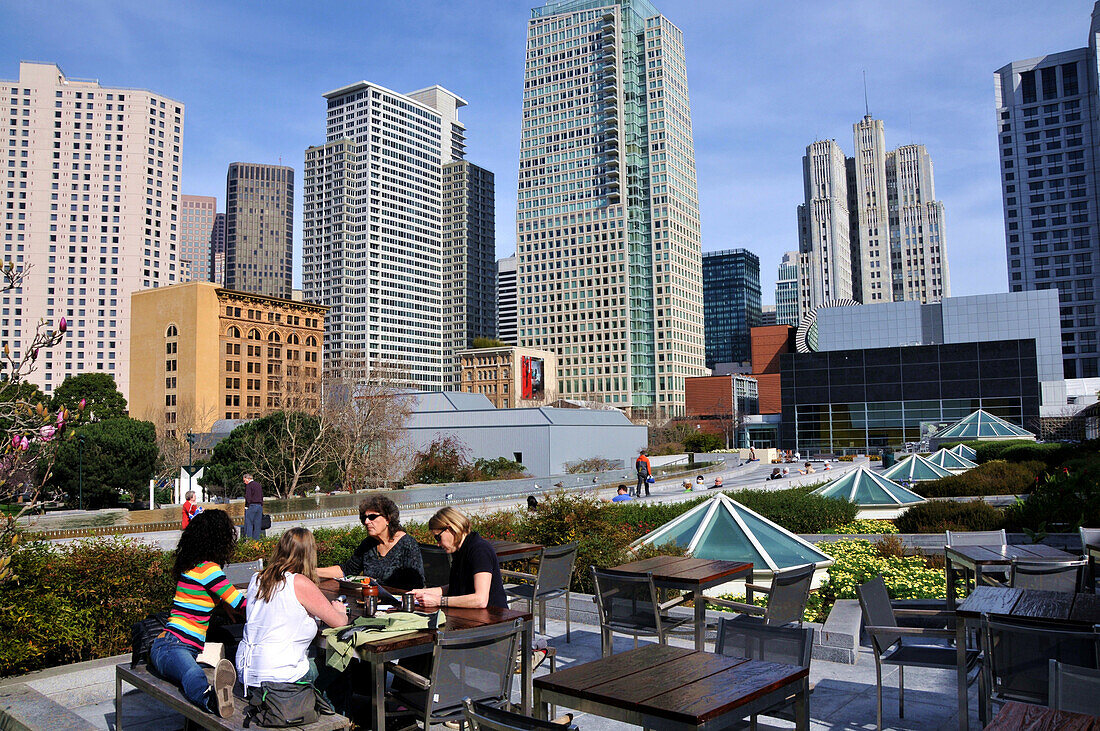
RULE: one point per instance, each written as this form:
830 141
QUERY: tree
172 438
479 343
281 450
96 390
446 459
109 457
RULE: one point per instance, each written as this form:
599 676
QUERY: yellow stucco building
199 353
510 377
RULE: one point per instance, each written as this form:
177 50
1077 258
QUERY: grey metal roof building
543 439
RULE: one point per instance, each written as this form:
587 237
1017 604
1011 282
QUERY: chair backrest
482 717
475 663
1065 576
241 573
1089 537
1075 689
437 565
627 599
790 592
1019 653
874 600
977 538
745 637
556 568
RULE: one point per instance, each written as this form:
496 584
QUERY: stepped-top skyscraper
871 228
1046 134
372 239
259 228
786 290
90 214
610 272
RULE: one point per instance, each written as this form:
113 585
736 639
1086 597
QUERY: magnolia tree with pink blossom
30 432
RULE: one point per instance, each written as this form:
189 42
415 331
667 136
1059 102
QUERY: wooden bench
171 696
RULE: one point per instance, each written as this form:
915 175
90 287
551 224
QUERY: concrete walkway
843 696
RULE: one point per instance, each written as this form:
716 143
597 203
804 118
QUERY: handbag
282 705
265 522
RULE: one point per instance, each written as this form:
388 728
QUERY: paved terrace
843 695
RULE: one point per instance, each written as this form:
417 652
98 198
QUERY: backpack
280 705
142 635
642 467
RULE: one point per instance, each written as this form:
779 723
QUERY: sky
765 79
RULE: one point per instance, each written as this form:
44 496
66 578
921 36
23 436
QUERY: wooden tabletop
513 550
1017 716
681 685
688 572
1056 606
997 554
457 618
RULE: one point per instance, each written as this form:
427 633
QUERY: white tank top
277 636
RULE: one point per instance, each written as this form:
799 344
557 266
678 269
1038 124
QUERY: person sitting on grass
201 585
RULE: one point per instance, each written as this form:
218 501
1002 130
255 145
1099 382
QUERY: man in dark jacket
253 508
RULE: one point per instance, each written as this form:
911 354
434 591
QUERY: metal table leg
378 691
960 650
700 620
802 706
949 571
526 668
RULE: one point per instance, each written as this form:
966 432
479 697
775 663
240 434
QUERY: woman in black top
388 554
475 580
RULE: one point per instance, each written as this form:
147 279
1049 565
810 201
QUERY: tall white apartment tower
609 257
824 246
372 235
91 198
506 300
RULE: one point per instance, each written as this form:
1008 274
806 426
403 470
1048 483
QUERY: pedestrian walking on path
644 472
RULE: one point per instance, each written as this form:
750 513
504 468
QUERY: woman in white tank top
284 604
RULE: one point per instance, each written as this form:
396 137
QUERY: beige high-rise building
91 189
608 236
871 228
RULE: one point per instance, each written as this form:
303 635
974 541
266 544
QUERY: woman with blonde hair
284 604
475 580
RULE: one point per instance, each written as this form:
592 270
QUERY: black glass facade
731 304
848 401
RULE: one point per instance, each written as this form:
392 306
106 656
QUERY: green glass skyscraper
608 242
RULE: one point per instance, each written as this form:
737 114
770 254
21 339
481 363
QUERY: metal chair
744 636
1065 576
1018 654
787 597
553 580
978 538
241 573
1090 537
476 664
482 717
894 645
437 565
1073 688
627 604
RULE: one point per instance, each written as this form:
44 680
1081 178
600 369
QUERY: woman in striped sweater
200 585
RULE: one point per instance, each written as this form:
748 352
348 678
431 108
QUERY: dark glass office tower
259 228
731 304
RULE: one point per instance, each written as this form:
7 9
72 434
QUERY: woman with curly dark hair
201 584
387 554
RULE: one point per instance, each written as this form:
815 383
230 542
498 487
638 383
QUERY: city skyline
933 86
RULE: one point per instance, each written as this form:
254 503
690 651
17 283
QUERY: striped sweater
197 593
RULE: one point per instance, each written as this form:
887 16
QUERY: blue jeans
253 514
175 661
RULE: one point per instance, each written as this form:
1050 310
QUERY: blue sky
766 79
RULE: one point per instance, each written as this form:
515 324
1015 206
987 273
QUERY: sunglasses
439 536
371 516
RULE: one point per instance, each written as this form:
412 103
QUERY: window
1027 87
1069 79
172 332
233 332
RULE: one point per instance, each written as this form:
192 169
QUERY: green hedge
997 477
938 516
1060 502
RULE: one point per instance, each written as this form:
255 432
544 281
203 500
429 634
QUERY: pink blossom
83 403
46 433
24 444
15 442
60 418
63 325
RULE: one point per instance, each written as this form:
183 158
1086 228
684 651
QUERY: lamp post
190 444
80 468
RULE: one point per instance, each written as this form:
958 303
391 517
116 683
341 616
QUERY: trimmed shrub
1051 453
942 515
866 527
993 450
1060 502
990 478
797 510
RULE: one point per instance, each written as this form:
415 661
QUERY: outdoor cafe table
996 556
691 575
513 551
376 654
1017 716
1058 607
665 687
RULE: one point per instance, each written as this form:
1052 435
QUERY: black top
401 568
253 493
476 556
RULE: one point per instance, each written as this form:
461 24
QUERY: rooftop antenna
866 103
